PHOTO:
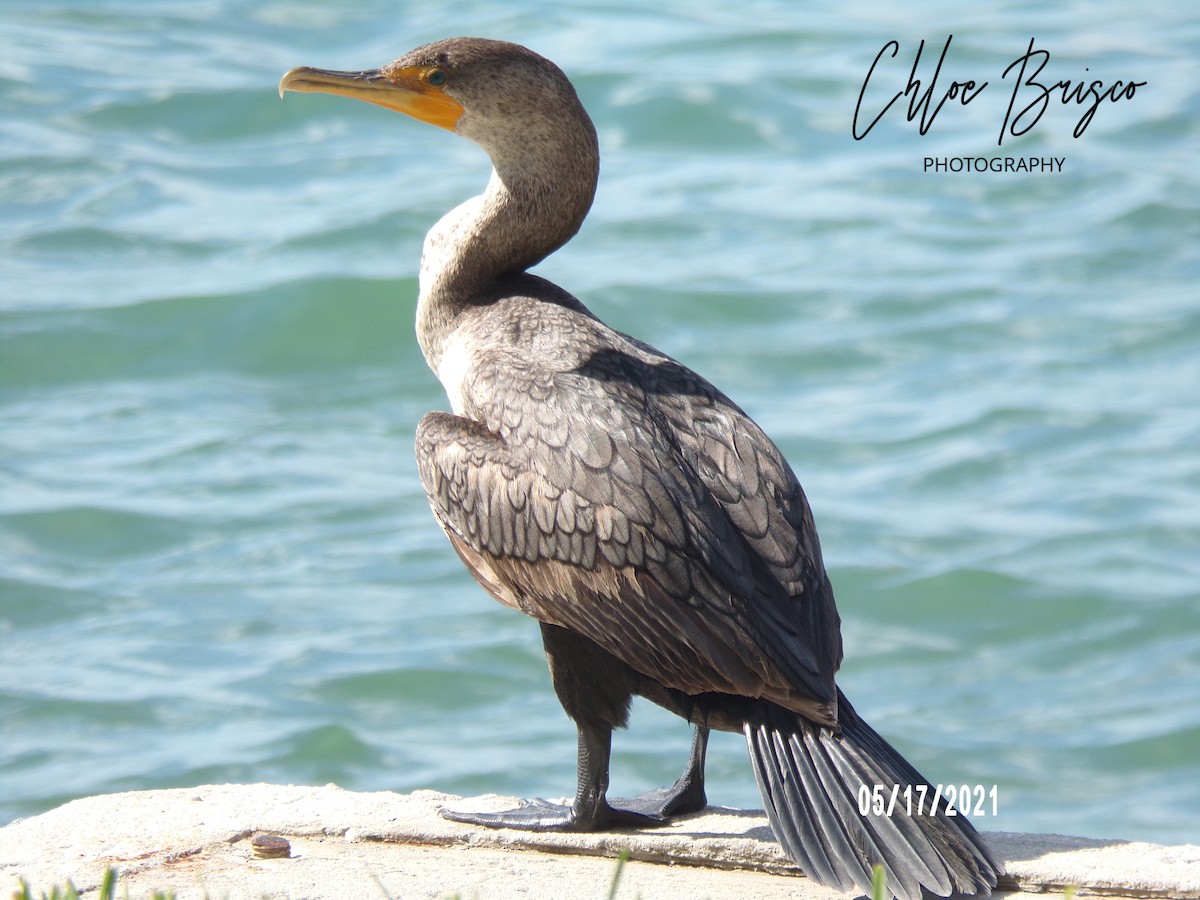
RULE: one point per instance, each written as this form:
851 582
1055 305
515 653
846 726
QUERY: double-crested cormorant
652 528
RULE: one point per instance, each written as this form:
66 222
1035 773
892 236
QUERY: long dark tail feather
810 780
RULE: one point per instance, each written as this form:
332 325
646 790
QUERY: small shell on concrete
271 846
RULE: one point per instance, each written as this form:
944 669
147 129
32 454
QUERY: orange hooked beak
415 91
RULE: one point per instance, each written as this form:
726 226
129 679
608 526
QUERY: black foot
677 800
542 815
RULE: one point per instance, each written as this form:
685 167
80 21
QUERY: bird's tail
815 784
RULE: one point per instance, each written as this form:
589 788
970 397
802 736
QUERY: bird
650 526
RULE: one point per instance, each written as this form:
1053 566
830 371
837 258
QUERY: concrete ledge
198 842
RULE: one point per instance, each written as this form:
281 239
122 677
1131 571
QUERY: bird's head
502 96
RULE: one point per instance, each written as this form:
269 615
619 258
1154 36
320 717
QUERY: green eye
437 77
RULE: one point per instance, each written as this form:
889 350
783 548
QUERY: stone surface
198 843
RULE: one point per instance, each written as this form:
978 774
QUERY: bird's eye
436 77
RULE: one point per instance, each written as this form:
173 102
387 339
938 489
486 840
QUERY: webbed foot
542 815
679 799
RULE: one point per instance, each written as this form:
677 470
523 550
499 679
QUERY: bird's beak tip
288 77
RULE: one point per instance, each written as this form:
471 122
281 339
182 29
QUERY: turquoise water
216 563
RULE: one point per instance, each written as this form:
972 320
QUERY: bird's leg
595 689
590 811
686 795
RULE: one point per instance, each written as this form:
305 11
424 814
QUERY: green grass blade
622 858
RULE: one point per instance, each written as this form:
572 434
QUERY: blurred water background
216 562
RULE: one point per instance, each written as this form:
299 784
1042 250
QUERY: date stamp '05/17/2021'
927 800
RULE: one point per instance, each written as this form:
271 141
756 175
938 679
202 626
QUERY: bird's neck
532 206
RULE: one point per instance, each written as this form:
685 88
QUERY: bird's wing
629 502
748 477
